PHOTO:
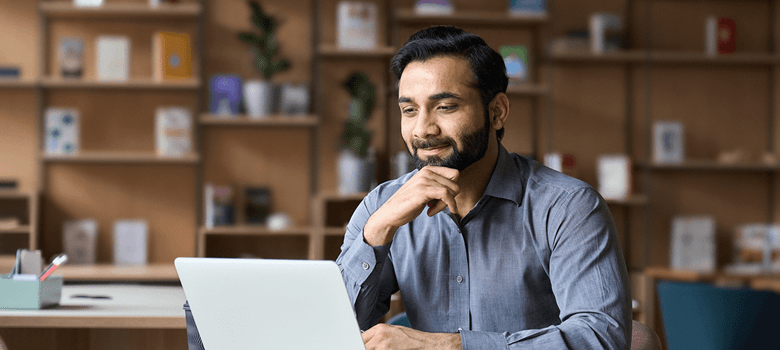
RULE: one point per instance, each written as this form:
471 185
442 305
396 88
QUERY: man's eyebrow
403 99
444 95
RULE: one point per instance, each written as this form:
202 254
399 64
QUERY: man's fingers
448 173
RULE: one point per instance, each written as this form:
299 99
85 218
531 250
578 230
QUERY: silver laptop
269 304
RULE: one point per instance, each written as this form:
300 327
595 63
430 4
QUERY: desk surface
130 306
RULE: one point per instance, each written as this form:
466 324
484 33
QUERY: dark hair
486 64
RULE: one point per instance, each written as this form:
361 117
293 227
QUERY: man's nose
426 125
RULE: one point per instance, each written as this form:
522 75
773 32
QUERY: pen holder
29 295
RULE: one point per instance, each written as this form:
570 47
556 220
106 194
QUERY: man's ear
499 111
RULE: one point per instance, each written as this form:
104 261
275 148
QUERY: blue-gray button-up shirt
536 264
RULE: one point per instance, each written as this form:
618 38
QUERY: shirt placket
459 271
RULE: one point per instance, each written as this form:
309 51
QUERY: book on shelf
113 57
434 7
516 62
693 243
172 56
668 142
62 131
256 202
527 8
7 72
173 136
131 242
720 36
71 57
225 95
614 176
218 201
357 25
87 3
757 245
606 32
79 241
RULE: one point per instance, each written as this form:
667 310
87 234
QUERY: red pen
59 260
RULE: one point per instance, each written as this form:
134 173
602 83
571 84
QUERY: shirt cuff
362 259
475 340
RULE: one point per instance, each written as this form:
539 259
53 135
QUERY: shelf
527 90
635 200
21 229
12 83
121 158
660 57
306 120
709 166
335 231
109 10
495 18
335 51
249 230
133 83
336 197
109 273
624 56
14 194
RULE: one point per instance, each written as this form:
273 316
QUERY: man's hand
433 186
384 336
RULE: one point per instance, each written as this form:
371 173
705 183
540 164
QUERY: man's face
443 121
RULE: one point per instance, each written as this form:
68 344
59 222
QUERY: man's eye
447 107
407 110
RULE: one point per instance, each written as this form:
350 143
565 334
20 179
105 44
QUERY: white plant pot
258 98
354 173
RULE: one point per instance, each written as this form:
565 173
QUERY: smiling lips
435 149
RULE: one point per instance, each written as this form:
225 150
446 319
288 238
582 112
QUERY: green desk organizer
30 295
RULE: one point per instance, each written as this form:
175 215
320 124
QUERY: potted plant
356 159
259 94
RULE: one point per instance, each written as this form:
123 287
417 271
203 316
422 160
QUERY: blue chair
701 316
399 320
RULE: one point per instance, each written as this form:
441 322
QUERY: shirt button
460 329
366 266
459 279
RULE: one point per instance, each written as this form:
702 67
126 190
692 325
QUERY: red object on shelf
726 33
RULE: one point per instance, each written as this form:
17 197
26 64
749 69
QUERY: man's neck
474 180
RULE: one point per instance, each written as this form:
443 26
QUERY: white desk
135 316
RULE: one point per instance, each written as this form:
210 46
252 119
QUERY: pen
59 260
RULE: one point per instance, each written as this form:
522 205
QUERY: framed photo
668 142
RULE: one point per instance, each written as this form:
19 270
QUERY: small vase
354 173
258 98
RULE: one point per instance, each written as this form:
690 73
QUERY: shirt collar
508 180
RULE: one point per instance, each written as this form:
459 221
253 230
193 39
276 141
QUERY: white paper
693 243
357 25
173 136
62 131
614 176
130 242
113 58
668 142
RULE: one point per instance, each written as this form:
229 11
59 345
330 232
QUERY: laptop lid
269 304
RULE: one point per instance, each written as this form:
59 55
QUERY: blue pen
17 263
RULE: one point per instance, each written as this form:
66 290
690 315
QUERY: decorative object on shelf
668 142
401 164
10 72
757 247
113 57
218 201
294 99
562 163
131 242
79 241
225 95
259 94
614 176
173 136
279 221
257 202
354 161
357 23
734 156
606 32
516 62
719 36
573 41
434 7
528 8
172 56
62 131
88 3
71 57
693 243
768 158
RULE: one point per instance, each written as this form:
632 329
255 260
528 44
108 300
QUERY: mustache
431 143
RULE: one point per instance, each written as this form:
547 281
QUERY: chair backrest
644 338
701 316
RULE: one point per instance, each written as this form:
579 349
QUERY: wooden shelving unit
306 121
23 207
133 83
112 10
121 157
330 50
711 166
7 83
480 18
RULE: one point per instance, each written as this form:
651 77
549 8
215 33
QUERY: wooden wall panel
163 195
19 137
18 42
275 157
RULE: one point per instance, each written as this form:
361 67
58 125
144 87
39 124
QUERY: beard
474 146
